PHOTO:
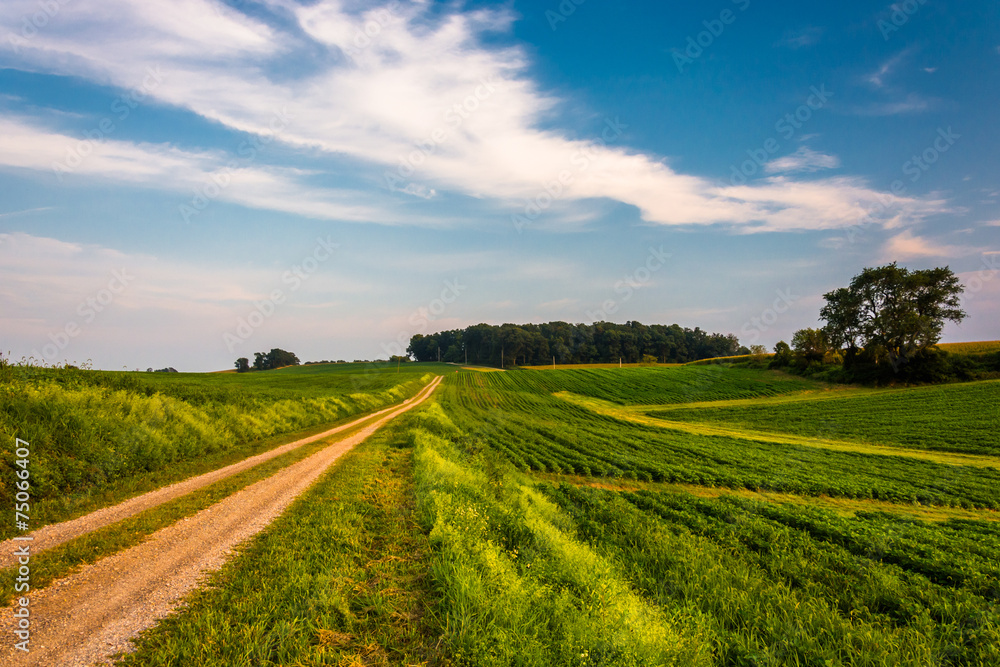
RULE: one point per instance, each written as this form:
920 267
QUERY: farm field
722 578
545 518
539 431
981 347
662 384
951 418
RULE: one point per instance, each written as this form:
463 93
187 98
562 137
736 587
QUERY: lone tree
891 314
242 365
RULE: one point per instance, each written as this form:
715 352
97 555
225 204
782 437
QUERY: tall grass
88 429
518 587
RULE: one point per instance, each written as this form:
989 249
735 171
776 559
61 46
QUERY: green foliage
601 342
276 358
782 355
638 386
895 315
339 579
810 346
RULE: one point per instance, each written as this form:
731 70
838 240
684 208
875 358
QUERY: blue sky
186 182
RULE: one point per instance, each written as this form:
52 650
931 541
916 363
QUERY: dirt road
86 617
59 533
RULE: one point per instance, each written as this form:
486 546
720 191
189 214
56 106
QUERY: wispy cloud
879 77
25 146
907 246
912 103
899 102
803 160
11 214
801 38
177 308
429 100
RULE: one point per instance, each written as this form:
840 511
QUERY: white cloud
803 160
25 146
907 246
423 100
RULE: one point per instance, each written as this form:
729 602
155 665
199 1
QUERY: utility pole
399 360
439 354
501 357
553 363
619 362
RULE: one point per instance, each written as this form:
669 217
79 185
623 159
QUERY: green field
538 431
640 516
953 418
671 384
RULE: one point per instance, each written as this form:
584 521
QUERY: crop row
779 594
958 418
539 432
647 386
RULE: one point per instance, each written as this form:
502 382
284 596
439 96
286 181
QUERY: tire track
83 619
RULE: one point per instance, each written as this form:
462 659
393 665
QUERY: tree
810 345
242 365
276 358
259 361
782 355
891 313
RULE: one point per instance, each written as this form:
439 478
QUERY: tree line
565 343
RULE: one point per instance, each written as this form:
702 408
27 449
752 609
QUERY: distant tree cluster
601 342
265 361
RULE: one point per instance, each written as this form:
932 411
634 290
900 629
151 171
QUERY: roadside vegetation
94 432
